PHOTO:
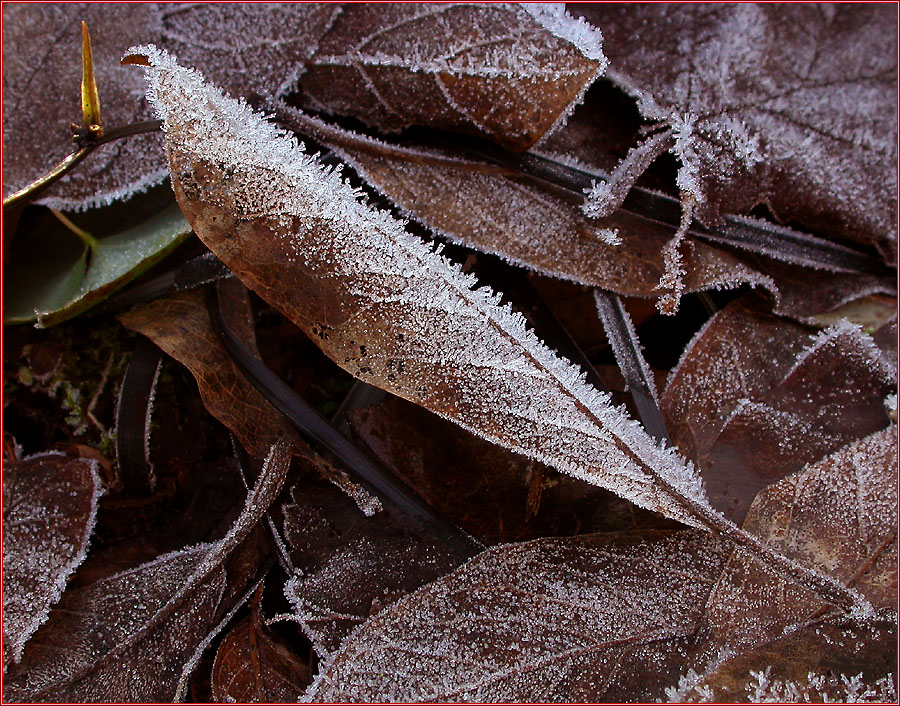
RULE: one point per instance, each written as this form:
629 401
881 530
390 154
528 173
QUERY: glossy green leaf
52 276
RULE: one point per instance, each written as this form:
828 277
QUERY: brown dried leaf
812 296
802 121
130 636
500 71
253 665
389 310
840 514
349 566
470 203
754 399
49 510
548 620
722 365
837 661
180 325
83 634
612 617
247 48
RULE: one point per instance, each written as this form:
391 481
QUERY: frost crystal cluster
385 306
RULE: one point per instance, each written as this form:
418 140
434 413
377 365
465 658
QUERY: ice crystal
460 348
509 72
49 511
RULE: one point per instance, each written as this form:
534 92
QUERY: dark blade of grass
627 350
133 418
360 396
317 430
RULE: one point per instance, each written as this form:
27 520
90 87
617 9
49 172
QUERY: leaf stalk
45 181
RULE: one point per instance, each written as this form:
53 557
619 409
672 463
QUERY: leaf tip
135 60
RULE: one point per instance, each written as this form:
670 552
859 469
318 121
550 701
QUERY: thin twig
42 183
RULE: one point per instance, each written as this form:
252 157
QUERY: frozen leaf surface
612 617
840 513
755 398
128 637
49 510
252 665
548 620
476 205
506 72
395 313
387 308
349 566
248 48
789 105
86 634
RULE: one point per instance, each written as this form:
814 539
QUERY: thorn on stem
91 127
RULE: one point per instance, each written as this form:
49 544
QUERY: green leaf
53 277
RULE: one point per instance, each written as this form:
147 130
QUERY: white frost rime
463 354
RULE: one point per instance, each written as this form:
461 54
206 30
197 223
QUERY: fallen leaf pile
461 352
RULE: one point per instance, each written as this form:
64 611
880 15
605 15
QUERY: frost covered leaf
180 326
391 311
548 620
52 276
612 617
755 398
505 72
474 204
78 655
385 307
837 661
803 121
128 637
49 509
840 514
41 67
248 48
350 566
253 665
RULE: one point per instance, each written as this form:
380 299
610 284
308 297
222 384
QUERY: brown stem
43 182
